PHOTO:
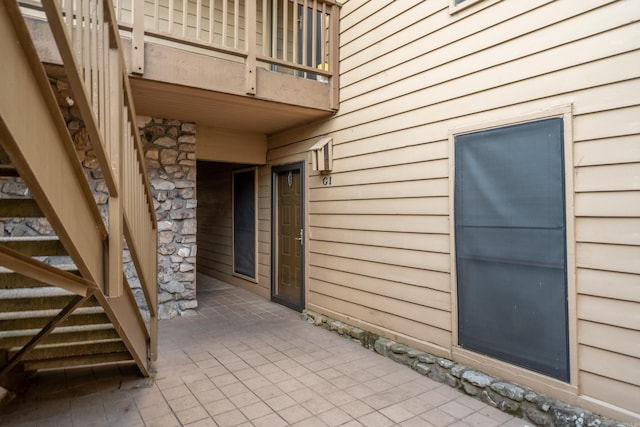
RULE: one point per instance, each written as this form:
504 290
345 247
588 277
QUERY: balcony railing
298 37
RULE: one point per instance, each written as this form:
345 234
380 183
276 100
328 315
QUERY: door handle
301 238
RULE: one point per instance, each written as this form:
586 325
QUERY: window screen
510 245
244 220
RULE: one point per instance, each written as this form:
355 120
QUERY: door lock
301 238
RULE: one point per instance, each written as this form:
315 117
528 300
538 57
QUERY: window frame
465 4
489 364
253 169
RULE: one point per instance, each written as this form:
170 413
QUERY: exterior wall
380 252
169 147
215 227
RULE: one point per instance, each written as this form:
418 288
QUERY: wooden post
137 38
250 26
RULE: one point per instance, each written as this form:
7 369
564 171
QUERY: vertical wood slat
198 18
265 18
323 37
211 20
274 34
305 25
86 46
68 12
285 29
314 34
184 17
156 15
236 23
296 28
334 83
224 21
170 16
93 57
101 72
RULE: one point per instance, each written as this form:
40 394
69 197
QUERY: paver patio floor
243 360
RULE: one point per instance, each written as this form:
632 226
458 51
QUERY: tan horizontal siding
419 188
422 206
408 310
610 204
414 241
409 223
382 319
409 293
399 257
608 177
618 340
608 284
435 280
620 231
625 314
621 258
611 365
616 150
623 394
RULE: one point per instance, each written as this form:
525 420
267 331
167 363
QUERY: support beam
42 272
55 322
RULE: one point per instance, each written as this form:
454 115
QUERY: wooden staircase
64 299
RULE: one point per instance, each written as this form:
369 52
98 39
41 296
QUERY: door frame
492 366
275 170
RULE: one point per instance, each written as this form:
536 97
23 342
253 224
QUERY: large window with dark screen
244 223
509 213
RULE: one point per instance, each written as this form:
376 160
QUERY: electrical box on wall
322 155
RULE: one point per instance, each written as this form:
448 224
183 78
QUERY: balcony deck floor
243 360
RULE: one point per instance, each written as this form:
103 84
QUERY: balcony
220 62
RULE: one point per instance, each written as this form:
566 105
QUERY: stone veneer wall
15 188
169 147
537 408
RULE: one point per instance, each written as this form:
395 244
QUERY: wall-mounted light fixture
322 155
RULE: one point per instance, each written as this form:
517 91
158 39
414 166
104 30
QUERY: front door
287 278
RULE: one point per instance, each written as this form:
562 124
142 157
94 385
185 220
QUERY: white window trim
552 386
455 8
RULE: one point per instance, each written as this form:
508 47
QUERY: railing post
114 281
250 27
334 60
137 38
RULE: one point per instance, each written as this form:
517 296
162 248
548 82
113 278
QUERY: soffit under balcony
185 84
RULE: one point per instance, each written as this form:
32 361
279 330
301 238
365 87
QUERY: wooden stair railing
33 134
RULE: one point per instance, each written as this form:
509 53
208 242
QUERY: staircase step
81 335
35 246
8 170
11 280
20 208
76 319
64 362
35 304
56 351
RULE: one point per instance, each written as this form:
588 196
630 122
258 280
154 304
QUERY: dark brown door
288 236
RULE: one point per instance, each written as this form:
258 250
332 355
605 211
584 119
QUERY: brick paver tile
438 418
219 406
191 415
456 409
244 399
317 405
335 417
357 408
375 419
294 413
256 410
271 420
396 413
230 418
280 402
184 402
